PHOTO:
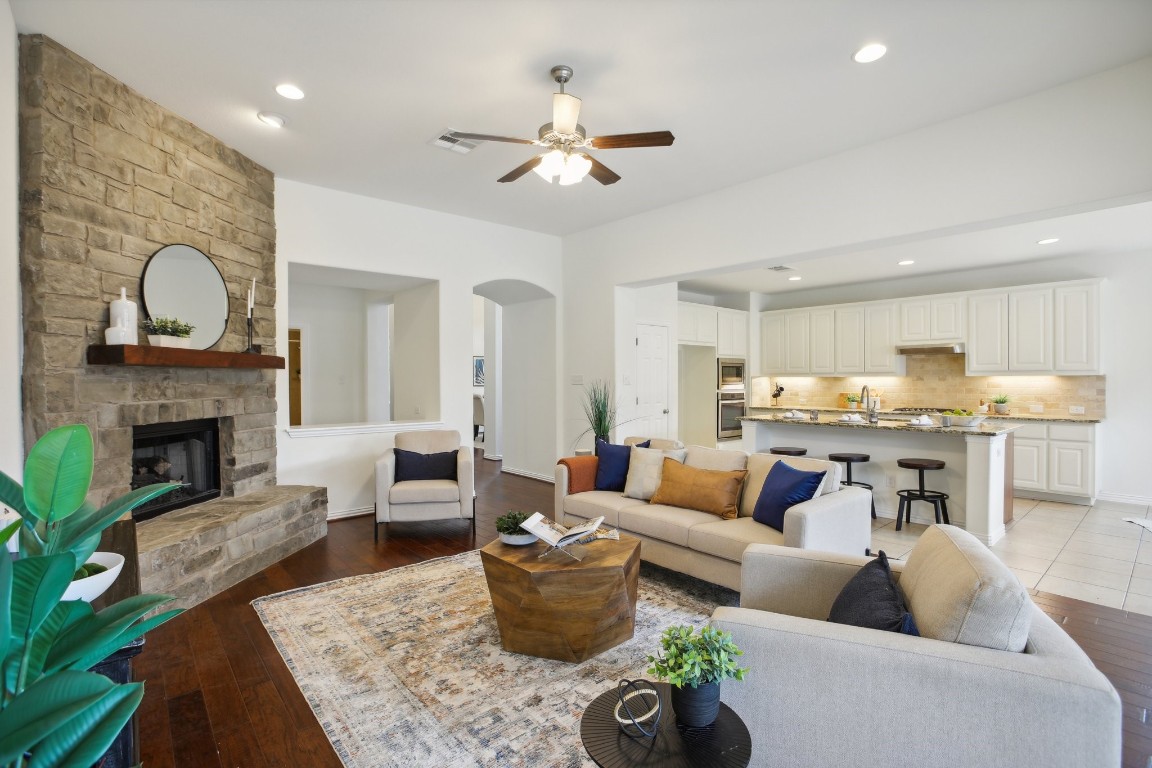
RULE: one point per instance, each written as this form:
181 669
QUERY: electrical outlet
576 380
1076 410
417 410
890 481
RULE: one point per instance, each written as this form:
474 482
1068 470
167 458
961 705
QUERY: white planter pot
90 588
518 539
1000 407
170 341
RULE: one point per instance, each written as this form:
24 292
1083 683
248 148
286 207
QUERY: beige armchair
413 500
961 695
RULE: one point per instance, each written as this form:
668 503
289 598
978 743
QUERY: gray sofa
703 545
826 695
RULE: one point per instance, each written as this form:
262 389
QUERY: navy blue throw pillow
871 599
784 487
411 465
612 465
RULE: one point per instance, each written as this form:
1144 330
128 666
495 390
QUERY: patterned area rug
404 667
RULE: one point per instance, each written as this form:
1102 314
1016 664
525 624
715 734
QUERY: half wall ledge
202 550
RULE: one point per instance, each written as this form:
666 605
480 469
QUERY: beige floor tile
1038 535
1105 546
1117 581
1028 578
1138 604
1016 560
1142 571
1144 555
1008 544
1109 564
1062 515
1059 505
1140 586
1113 598
1119 530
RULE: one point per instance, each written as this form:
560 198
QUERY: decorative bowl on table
89 588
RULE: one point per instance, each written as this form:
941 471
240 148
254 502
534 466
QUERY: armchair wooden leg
375 530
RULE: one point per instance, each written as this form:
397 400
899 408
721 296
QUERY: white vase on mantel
122 314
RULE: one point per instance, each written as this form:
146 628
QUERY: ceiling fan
564 136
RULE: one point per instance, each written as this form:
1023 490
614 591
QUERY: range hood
930 349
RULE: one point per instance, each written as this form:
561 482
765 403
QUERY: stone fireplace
108 178
184 452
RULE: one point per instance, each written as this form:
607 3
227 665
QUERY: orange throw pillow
707 490
581 473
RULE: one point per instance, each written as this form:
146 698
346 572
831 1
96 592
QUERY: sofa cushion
411 465
592 504
612 465
657 521
871 599
423 492
707 490
784 487
645 467
729 538
662 443
960 592
759 464
715 458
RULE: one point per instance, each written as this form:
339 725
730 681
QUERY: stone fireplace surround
107 178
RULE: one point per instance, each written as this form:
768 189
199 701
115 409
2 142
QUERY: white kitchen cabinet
1055 458
1030 330
796 343
880 340
696 324
987 350
731 333
772 344
1030 458
932 318
822 341
1076 328
850 340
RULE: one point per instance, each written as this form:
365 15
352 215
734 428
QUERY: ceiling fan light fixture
551 165
575 169
565 113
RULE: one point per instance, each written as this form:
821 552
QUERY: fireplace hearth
185 452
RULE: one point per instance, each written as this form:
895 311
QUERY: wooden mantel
131 354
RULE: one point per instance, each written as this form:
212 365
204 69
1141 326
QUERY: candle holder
252 350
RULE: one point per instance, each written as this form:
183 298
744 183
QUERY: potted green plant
168 331
853 400
53 712
1000 403
508 526
694 665
599 409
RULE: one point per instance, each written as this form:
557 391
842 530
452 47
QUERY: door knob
665 410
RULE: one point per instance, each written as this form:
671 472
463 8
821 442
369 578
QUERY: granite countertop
1000 427
1016 417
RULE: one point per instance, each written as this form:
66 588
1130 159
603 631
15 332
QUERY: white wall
332 342
325 227
528 374
11 334
415 354
378 361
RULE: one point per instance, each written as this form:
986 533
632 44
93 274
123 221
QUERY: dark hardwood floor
217 692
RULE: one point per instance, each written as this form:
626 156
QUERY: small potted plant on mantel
1000 403
695 665
508 526
168 332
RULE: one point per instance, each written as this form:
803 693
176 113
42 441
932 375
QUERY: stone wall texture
108 178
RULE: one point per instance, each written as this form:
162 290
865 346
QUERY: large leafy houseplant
52 711
695 665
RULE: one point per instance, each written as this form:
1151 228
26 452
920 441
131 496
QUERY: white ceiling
749 87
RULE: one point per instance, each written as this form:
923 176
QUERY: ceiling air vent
780 268
447 141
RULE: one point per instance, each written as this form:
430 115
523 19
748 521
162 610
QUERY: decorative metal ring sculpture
638 725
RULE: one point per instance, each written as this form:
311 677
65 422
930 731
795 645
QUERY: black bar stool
937 499
848 459
784 450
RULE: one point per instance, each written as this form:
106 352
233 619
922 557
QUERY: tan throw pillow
645 467
707 490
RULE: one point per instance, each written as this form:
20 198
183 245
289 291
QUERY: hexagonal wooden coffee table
558 608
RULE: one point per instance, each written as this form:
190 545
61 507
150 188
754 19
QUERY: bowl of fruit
95 576
961 418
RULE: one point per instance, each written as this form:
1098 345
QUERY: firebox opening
185 452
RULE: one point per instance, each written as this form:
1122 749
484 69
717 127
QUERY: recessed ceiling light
1048 241
271 118
289 91
869 53
795 277
905 263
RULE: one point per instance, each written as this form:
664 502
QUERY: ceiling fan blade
602 173
627 140
520 170
565 112
486 137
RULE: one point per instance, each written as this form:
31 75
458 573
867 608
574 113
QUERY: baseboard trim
354 512
533 475
1124 498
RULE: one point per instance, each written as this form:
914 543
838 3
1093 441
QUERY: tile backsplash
939 380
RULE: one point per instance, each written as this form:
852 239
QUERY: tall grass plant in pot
53 712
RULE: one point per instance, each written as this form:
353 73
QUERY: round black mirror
179 281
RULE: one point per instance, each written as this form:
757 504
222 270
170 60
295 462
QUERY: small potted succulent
508 526
695 665
853 400
1000 403
168 332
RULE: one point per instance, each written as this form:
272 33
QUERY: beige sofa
991 682
703 545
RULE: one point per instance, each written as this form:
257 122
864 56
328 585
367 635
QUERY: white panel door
915 320
1070 467
880 340
1076 335
686 323
1030 330
822 341
1030 464
651 381
772 344
796 341
948 318
987 334
850 340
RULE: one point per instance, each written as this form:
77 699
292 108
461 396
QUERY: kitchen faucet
866 398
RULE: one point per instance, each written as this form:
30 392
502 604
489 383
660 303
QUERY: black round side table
724 744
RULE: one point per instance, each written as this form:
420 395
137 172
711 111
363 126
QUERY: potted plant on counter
1000 403
508 526
168 332
695 665
852 400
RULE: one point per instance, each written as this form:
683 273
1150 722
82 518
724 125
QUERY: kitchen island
975 475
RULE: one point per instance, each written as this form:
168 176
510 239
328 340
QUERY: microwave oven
730 375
